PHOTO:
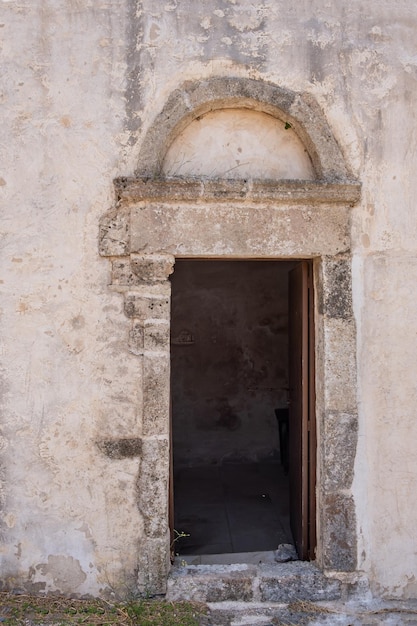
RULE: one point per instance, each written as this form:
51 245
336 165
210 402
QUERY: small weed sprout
178 534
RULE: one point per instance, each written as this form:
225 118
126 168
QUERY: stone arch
194 99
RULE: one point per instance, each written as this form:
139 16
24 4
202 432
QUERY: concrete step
265 582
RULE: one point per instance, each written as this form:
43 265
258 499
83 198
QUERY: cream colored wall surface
238 143
82 81
69 520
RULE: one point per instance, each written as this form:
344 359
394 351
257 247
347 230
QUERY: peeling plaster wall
67 377
82 82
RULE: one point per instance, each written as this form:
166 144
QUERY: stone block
157 336
120 448
243 230
211 583
174 191
339 365
156 393
339 533
136 337
339 450
122 274
153 565
151 336
153 486
337 287
147 307
114 233
288 582
151 268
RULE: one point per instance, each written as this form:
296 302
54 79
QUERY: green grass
19 610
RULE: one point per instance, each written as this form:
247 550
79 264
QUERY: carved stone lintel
231 191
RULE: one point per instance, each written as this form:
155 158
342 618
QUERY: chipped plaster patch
323 32
154 32
205 23
378 36
63 572
246 20
373 68
10 520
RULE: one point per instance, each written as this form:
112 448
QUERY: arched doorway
160 219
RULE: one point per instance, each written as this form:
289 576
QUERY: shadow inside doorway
231 508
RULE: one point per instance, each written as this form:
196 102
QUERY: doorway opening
242 393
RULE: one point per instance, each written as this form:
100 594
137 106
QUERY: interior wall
229 359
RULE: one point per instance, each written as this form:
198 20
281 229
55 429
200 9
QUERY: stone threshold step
265 582
273 614
228 558
303 613
309 614
245 613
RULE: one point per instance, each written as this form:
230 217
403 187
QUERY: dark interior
229 373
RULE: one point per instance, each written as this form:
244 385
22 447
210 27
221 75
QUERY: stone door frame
157 220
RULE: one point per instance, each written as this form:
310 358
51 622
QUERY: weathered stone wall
82 84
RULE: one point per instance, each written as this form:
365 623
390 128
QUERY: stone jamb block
339 543
136 340
122 274
339 363
114 232
157 335
147 307
156 394
149 336
337 287
340 435
153 486
152 268
153 565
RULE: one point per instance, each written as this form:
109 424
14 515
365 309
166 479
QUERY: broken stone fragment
285 552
